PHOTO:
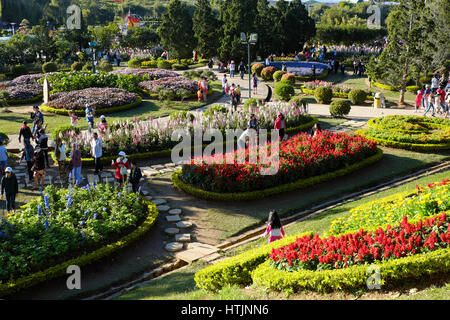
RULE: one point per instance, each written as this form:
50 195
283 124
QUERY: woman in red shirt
122 165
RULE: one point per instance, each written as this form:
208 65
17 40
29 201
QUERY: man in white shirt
97 152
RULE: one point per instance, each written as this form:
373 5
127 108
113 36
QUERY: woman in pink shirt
274 228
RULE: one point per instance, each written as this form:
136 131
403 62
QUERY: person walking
210 64
3 158
60 155
135 176
38 167
242 70
9 188
27 154
274 228
434 83
73 118
122 165
255 84
75 159
97 152
418 101
232 69
42 142
343 68
430 106
25 132
37 117
280 125
104 124
224 84
90 117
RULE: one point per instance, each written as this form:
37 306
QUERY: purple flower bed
26 91
29 78
98 98
170 84
152 73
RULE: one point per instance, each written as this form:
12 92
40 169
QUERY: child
10 188
418 100
73 118
135 176
199 95
122 165
3 158
274 228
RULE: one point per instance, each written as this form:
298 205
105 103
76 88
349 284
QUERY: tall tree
176 30
268 42
205 29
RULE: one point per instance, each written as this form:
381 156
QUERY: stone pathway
349 126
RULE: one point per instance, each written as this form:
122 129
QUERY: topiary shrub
76 66
177 66
284 90
340 108
49 67
134 63
183 94
149 64
289 77
357 96
19 70
251 103
166 95
257 68
425 80
323 95
278 74
105 66
163 64
87 67
267 73
4 139
209 74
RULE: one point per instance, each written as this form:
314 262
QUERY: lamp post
252 40
93 45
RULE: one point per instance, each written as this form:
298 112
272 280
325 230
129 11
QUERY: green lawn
181 284
10 123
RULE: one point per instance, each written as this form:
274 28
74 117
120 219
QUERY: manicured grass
181 285
236 218
10 123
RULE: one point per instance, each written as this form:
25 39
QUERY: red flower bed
314 253
300 157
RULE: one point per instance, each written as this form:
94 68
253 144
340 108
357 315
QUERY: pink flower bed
174 84
152 73
26 91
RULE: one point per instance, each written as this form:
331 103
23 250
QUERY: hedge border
260 194
99 111
385 86
168 152
24 101
371 124
404 145
85 259
342 95
354 277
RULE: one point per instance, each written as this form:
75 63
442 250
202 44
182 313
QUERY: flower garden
66 224
409 132
406 236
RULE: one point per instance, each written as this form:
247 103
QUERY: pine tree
205 29
176 31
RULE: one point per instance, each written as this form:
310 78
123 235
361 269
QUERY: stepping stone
150 173
157 167
163 208
165 170
172 231
174 247
21 185
159 201
18 175
173 218
184 225
175 212
170 165
186 237
145 193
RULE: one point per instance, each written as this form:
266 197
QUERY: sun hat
102 117
9 169
122 154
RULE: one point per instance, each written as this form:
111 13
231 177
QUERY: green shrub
63 129
49 67
252 102
289 77
284 90
87 67
412 89
267 73
425 80
357 96
76 66
177 66
299 102
2 77
209 74
163 64
149 64
257 68
134 63
278 74
105 66
203 60
323 95
19 70
183 94
166 95
340 108
192 74
4 138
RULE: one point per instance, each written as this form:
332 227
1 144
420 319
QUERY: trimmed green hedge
355 277
260 194
87 258
25 101
342 95
98 111
385 86
404 145
237 269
